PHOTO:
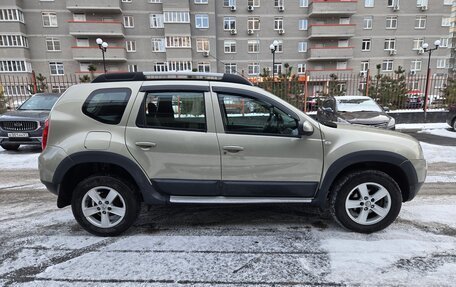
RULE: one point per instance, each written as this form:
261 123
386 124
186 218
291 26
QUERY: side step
236 200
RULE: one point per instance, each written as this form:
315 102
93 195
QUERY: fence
395 91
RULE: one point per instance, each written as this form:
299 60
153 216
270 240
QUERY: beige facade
315 36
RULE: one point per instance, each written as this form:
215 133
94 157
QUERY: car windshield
357 105
39 102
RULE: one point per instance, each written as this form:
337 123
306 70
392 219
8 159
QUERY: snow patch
438 153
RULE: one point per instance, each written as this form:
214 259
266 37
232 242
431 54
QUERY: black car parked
24 126
359 110
451 117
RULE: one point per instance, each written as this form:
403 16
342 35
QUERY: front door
262 154
174 140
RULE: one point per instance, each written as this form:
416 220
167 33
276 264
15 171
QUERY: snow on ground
22 159
438 153
422 126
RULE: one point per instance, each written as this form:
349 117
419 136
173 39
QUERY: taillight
45 134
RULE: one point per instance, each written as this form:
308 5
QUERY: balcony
332 7
14 53
108 6
332 30
96 28
330 53
93 53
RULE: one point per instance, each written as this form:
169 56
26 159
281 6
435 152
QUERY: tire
373 214
454 125
9 146
119 207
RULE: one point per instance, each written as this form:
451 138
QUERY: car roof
47 94
352 98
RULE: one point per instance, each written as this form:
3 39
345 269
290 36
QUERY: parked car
313 103
24 126
117 142
358 110
451 117
414 99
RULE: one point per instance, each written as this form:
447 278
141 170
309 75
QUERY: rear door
171 133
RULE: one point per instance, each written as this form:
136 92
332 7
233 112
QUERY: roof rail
151 76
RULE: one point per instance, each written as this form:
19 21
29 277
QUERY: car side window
247 115
107 105
178 110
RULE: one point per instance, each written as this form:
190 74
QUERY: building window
7 15
369 3
158 45
253 46
132 68
230 68
303 3
278 23
229 3
302 47
278 68
444 42
14 66
301 68
418 44
415 65
229 46
13 41
391 22
364 66
446 21
204 67
421 3
202 45
229 23
160 67
200 2
201 21
390 44
176 17
302 24
49 19
442 64
131 46
279 46
178 42
129 21
367 22
420 22
387 66
155 1
366 45
447 2
253 3
156 20
253 23
279 3
56 68
177 66
253 69
126 1
53 44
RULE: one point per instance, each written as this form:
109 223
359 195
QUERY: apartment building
57 37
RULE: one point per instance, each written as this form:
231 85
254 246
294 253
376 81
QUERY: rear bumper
53 188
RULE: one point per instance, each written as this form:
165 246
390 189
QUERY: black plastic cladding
139 76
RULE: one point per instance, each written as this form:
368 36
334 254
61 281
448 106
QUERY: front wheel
366 201
104 205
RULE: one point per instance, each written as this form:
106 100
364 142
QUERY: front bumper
416 182
27 141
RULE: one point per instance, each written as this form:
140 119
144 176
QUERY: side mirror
305 129
386 109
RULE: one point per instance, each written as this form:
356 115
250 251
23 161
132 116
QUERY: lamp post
426 91
103 47
273 48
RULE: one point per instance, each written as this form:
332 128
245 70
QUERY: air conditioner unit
281 31
250 31
281 8
392 52
233 32
420 51
396 8
413 72
233 8
250 8
363 74
206 53
423 7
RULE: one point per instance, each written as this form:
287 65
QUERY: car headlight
391 123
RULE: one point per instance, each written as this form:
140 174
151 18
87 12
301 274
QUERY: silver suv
164 138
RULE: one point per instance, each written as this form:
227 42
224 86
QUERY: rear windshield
107 105
39 103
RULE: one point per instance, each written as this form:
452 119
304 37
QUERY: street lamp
273 48
428 50
103 47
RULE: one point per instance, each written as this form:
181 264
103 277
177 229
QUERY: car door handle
146 145
233 148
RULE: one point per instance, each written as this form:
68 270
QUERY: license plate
18 135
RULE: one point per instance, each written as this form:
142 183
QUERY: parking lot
264 245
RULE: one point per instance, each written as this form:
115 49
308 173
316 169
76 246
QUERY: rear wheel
10 146
454 124
105 206
366 201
